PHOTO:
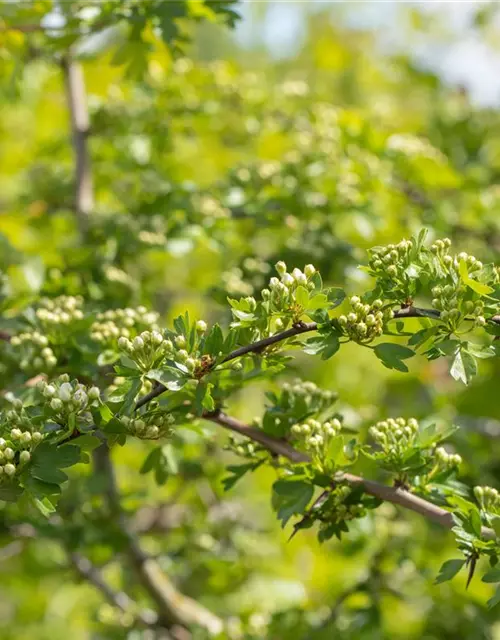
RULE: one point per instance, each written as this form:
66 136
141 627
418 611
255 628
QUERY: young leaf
449 570
392 355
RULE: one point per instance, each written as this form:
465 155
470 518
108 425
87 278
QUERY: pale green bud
280 267
94 393
201 326
24 457
9 470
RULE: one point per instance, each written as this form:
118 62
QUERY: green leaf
449 570
495 523
291 497
392 355
151 460
493 575
214 341
495 599
171 378
87 442
463 367
48 460
107 357
332 345
237 472
478 287
335 296
302 297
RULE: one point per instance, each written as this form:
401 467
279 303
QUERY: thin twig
175 608
296 330
395 495
118 599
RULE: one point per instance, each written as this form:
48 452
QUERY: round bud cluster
19 439
391 260
441 248
473 264
35 354
147 348
488 498
65 397
315 436
114 324
294 396
281 290
246 449
449 301
366 321
447 460
149 426
394 436
335 509
63 310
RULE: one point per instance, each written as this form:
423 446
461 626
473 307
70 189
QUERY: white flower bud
288 280
49 391
9 453
56 404
138 343
94 393
9 469
65 392
26 437
157 338
280 267
24 457
309 270
16 434
37 437
201 326
180 342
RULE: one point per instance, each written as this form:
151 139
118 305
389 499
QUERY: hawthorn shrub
205 254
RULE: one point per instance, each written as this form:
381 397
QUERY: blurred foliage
206 173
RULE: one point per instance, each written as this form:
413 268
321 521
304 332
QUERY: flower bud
309 270
49 391
280 267
180 342
24 457
37 437
138 343
201 326
9 453
65 392
9 469
16 434
94 393
56 404
26 437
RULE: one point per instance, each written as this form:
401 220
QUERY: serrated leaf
464 367
291 497
392 355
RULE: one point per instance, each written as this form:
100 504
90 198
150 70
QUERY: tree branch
175 608
297 329
396 495
118 599
80 124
